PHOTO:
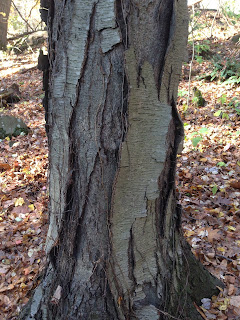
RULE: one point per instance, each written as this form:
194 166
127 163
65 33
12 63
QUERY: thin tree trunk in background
5 6
114 243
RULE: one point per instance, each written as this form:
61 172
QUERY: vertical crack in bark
167 177
121 17
165 25
89 40
131 258
179 136
80 217
124 110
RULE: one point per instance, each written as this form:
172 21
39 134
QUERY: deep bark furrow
121 17
88 42
167 178
131 259
165 10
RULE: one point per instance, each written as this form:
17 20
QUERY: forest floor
208 170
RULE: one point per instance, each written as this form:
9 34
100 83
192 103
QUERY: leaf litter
23 189
208 173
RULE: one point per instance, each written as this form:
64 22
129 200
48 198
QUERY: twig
223 257
167 314
36 3
200 311
22 16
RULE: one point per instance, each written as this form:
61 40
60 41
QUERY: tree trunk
5 6
114 243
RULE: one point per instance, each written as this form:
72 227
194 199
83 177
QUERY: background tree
5 6
114 243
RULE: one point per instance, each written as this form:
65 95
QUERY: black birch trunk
114 244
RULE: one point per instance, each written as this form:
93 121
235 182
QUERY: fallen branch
25 70
23 34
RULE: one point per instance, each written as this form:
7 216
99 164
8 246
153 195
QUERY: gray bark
5 6
114 243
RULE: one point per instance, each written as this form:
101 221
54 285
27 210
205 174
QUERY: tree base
191 283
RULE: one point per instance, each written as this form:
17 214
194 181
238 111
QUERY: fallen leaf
4 300
235 301
19 202
235 184
31 207
4 166
231 228
213 235
223 201
27 271
4 270
231 289
10 287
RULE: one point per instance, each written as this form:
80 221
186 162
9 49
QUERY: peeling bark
114 243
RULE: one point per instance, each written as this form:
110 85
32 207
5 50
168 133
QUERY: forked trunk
114 243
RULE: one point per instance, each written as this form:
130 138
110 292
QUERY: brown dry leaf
235 301
189 233
5 166
231 289
210 255
231 279
235 184
223 201
4 270
236 311
4 300
27 271
188 175
10 287
20 208
213 234
223 264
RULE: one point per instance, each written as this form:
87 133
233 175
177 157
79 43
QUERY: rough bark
114 243
5 6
